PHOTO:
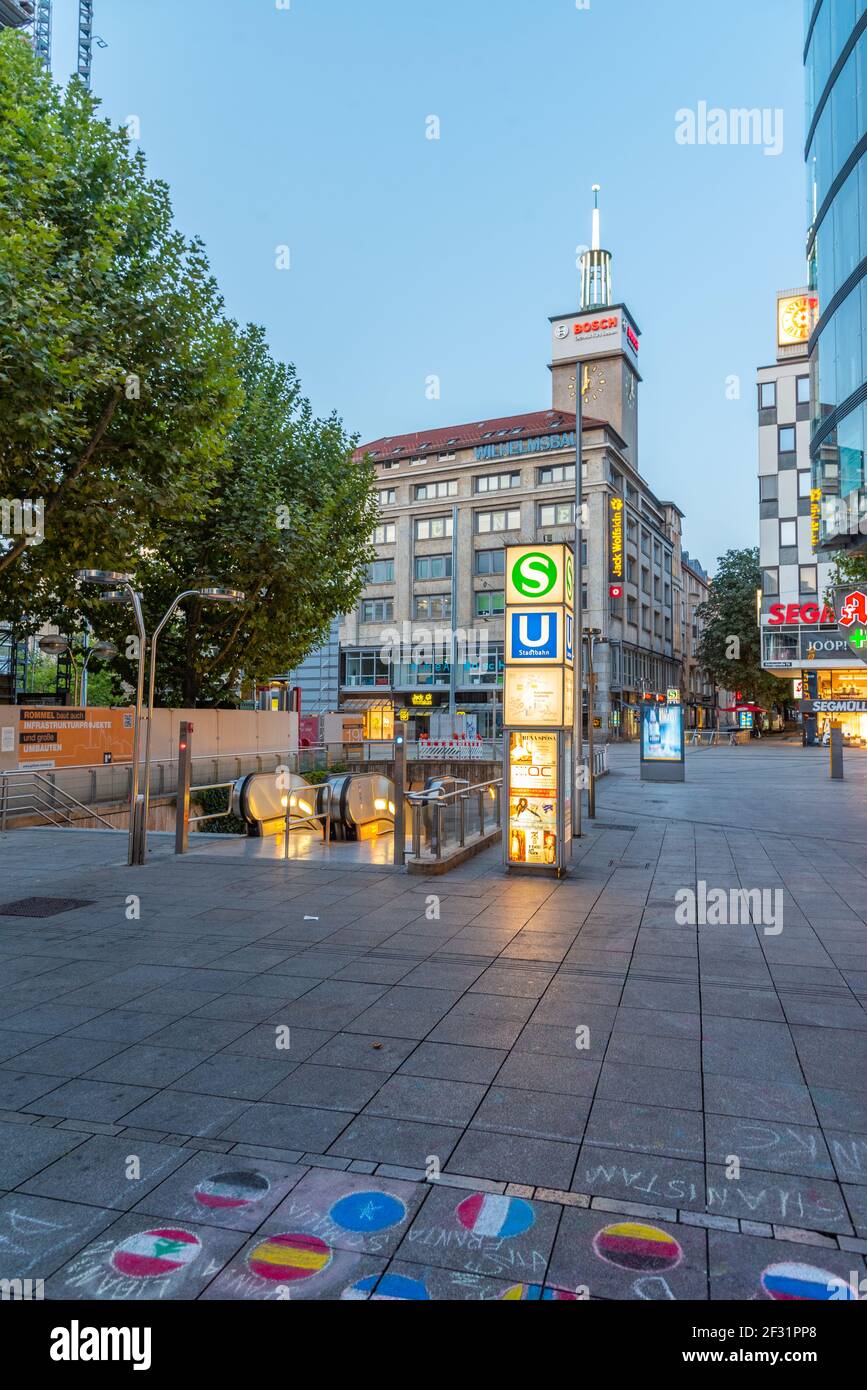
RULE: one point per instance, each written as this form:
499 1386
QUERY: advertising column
539 706
662 750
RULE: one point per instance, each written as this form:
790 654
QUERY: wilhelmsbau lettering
77 1343
728 907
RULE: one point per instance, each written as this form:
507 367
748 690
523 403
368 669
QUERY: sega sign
808 613
536 635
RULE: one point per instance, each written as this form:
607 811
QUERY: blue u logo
534 629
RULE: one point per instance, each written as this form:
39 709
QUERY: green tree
104 687
730 643
117 379
850 569
288 521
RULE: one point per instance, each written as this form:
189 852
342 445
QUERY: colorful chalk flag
538 1293
399 1286
288 1257
784 1282
488 1215
391 1287
149 1254
367 1211
634 1246
232 1190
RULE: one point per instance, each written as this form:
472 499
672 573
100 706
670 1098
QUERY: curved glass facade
836 97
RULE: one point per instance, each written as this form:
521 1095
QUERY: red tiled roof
427 443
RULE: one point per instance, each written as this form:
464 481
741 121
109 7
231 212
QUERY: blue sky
305 127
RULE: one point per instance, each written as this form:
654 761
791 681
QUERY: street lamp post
120 590
210 596
593 635
56 646
578 601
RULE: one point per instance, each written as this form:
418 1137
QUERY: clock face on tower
593 382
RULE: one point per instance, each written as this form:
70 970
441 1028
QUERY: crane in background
41 22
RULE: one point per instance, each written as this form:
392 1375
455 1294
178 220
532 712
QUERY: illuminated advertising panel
850 606
662 733
533 697
537 635
532 822
594 333
539 574
796 317
615 544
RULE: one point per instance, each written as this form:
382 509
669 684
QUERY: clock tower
603 338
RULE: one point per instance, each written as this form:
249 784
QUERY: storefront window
379 723
849 686
366 668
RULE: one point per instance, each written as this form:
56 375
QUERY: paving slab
142 1258
562 1036
623 1257
222 1191
103 1171
27 1149
407 1143
482 1233
745 1268
618 1175
38 1234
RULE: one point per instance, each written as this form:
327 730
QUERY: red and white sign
615 591
853 609
434 749
591 335
809 614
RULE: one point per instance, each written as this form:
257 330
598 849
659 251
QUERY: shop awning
365 704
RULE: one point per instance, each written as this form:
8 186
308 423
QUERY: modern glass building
835 58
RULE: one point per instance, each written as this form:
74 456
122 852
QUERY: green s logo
570 578
534 574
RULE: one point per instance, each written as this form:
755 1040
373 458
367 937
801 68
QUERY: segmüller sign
850 607
838 706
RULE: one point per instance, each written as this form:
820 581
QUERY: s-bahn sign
850 607
539 574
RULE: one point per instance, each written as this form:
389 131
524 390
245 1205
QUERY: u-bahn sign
850 607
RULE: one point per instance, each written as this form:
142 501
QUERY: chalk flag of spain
291 1256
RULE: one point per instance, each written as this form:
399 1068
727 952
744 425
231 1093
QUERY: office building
835 58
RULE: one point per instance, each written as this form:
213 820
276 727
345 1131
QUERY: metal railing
24 793
296 820
443 822
715 738
212 815
112 782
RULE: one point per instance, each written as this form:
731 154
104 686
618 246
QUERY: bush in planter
214 799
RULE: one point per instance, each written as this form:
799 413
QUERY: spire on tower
596 243
595 266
